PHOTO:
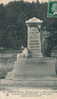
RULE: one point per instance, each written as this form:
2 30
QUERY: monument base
33 69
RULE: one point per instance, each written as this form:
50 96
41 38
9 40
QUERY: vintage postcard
28 49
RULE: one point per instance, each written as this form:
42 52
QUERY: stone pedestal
37 68
33 69
34 36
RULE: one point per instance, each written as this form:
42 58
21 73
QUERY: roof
34 20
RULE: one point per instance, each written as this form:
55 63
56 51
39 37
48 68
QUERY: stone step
36 40
34 48
35 67
34 72
36 52
33 36
34 45
32 40
36 55
8 84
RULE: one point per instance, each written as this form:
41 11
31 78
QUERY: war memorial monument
36 70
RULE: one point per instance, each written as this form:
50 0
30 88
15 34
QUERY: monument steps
32 72
47 82
35 67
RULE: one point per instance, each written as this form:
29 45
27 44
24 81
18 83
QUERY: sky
6 1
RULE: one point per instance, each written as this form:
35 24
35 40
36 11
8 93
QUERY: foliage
13 30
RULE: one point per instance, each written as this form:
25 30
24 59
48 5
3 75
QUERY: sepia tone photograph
28 49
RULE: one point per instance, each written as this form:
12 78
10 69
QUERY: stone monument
36 68
34 36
